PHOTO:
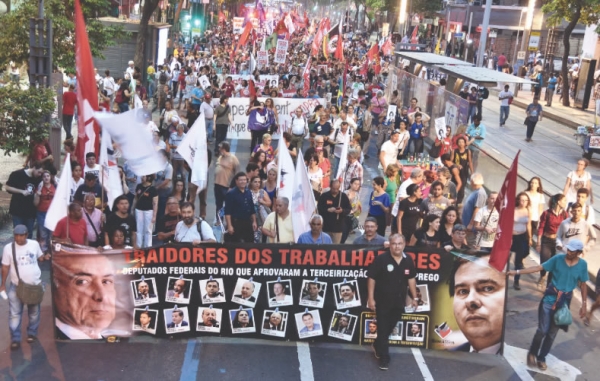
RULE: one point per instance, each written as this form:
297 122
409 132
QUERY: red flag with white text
306 77
505 204
87 93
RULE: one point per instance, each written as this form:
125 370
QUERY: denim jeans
143 220
504 111
43 233
209 128
16 313
29 222
546 332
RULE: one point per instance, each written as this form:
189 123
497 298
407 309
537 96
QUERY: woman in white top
577 179
403 140
535 191
76 179
521 233
315 175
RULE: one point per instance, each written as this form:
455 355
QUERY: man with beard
179 289
84 295
478 292
191 229
343 325
165 229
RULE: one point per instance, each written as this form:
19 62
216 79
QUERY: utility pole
484 32
41 69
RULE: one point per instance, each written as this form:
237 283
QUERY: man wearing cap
576 227
177 160
209 115
130 69
568 270
28 253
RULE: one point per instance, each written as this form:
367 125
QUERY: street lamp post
523 10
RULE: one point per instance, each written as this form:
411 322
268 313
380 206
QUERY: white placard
440 127
391 113
204 82
237 25
281 51
262 58
286 108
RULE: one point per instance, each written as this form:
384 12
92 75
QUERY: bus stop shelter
458 75
418 60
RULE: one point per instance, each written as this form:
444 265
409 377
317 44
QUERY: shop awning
481 75
430 59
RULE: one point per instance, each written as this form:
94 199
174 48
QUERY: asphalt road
576 352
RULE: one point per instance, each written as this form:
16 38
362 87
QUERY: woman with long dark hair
450 217
535 191
549 223
428 234
379 204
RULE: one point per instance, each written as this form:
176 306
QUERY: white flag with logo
134 139
194 150
109 178
62 196
137 102
303 203
285 173
343 159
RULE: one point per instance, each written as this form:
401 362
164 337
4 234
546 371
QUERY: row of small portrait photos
246 292
273 323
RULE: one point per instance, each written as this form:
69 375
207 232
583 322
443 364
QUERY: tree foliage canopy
22 117
558 11
14 38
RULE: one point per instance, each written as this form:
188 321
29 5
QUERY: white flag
62 196
109 177
134 140
285 172
137 102
252 63
303 203
343 159
289 24
193 149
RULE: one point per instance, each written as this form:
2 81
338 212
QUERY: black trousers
67 123
387 317
221 130
242 231
256 138
530 128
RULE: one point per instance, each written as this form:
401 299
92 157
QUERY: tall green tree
428 8
14 38
22 114
586 12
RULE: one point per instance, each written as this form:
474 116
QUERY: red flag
505 204
306 77
88 131
252 88
244 36
414 39
281 28
386 48
318 40
373 52
339 48
221 16
365 68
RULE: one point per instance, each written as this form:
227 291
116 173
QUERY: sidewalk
551 155
571 117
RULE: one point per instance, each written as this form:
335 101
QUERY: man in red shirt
501 62
69 103
77 227
228 87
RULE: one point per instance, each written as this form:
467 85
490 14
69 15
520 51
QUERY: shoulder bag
27 293
562 316
98 242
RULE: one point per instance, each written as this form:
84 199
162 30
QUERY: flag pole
486 224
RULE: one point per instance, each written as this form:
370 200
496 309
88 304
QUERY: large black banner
280 292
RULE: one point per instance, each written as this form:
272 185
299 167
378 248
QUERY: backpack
199 227
485 93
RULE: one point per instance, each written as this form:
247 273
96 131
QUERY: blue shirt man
315 235
476 132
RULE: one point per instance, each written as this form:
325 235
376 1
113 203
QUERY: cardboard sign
281 51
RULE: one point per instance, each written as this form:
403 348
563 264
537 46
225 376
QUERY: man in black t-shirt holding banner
390 275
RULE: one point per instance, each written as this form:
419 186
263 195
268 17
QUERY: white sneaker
376 132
